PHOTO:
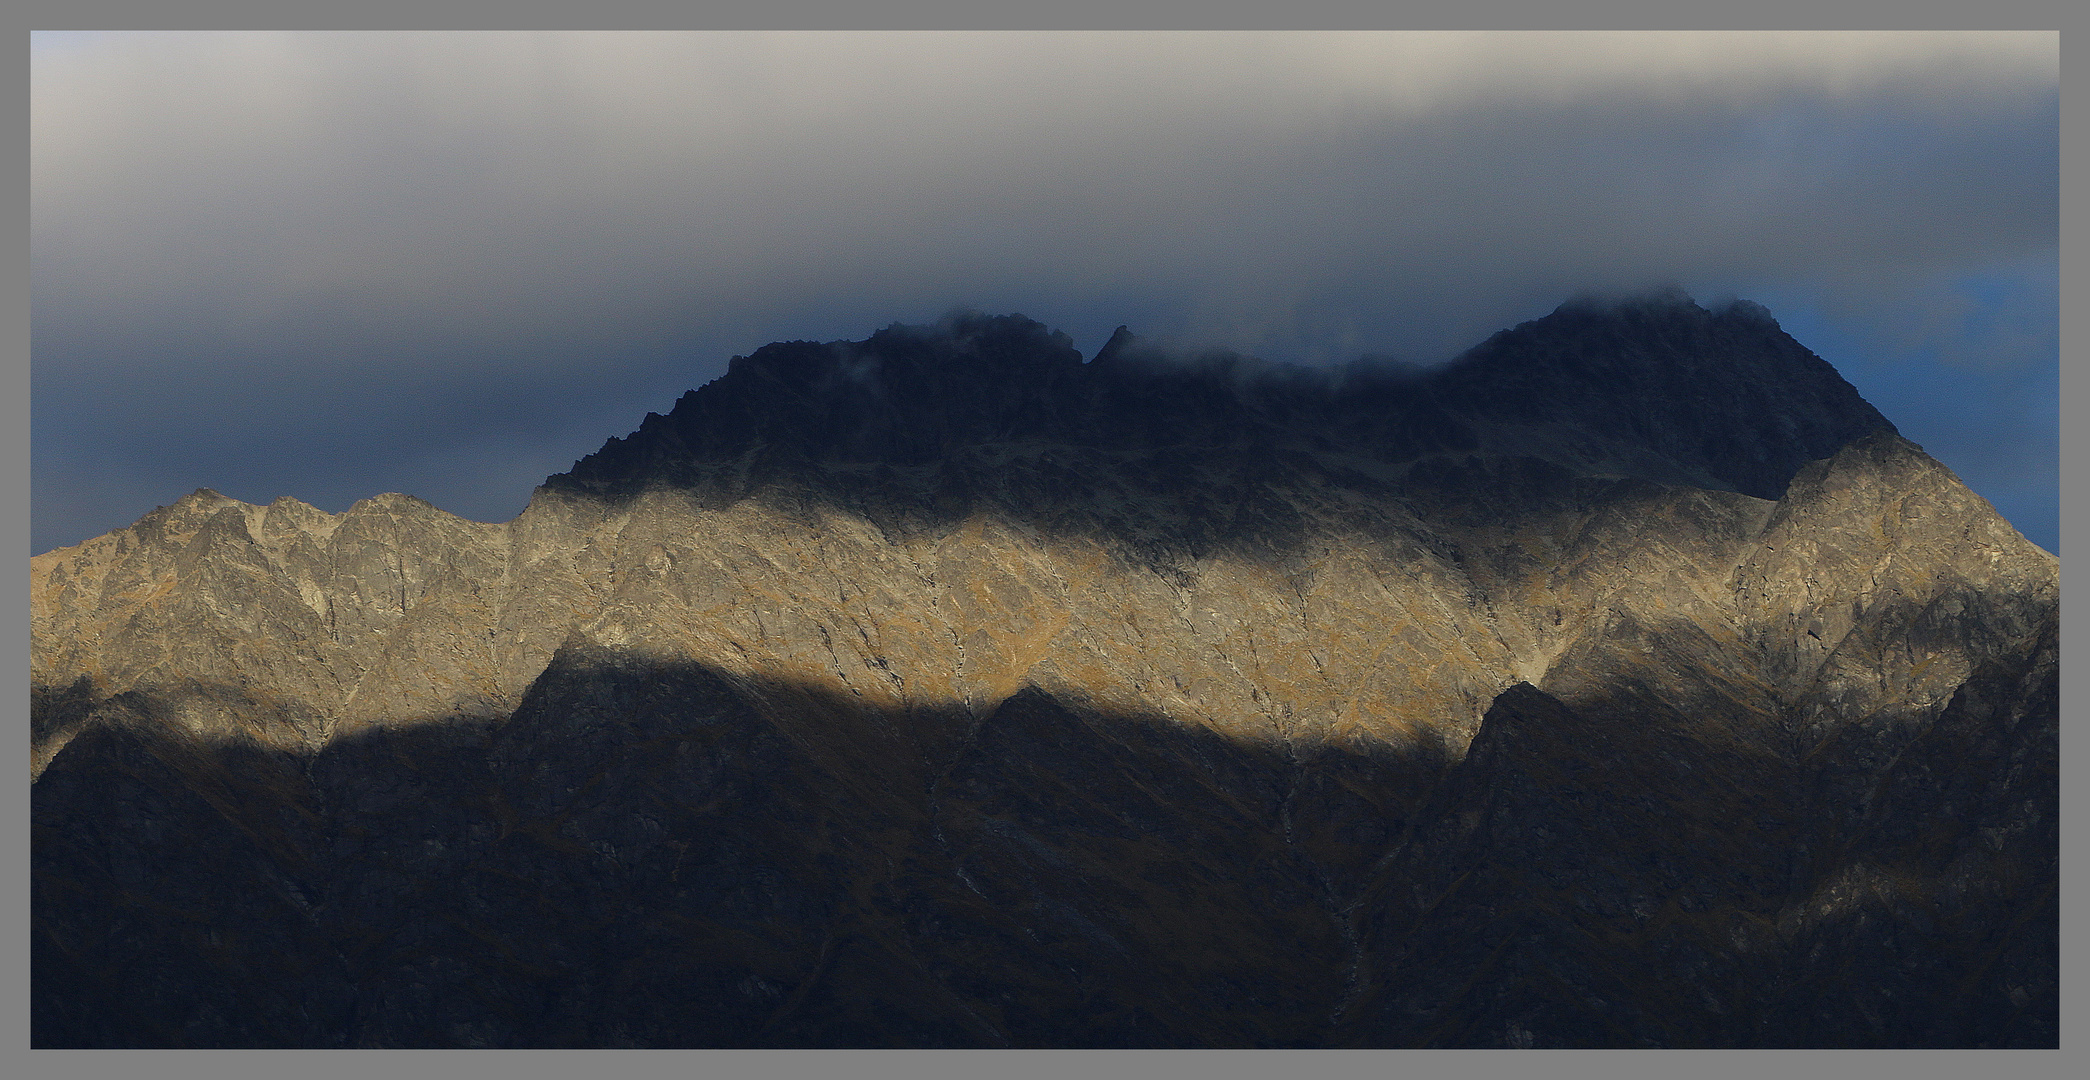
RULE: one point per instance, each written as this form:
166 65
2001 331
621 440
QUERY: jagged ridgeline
1626 682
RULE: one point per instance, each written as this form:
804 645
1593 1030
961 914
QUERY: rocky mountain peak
1725 397
1626 681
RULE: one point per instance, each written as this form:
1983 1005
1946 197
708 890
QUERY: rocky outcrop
1627 682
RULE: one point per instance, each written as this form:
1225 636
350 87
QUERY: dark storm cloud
328 265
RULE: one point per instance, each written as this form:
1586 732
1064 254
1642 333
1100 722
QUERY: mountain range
1627 681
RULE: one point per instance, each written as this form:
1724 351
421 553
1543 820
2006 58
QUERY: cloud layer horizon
333 264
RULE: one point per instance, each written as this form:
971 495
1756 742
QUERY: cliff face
1627 682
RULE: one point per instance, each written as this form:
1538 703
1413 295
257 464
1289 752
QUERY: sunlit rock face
1627 682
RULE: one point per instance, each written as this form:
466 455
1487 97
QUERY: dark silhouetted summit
1653 386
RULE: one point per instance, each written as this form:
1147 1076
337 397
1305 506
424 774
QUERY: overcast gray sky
331 265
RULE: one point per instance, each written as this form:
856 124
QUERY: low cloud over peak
337 236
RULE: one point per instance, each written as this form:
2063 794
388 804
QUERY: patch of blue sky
1968 367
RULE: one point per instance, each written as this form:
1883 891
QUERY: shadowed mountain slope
1627 681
